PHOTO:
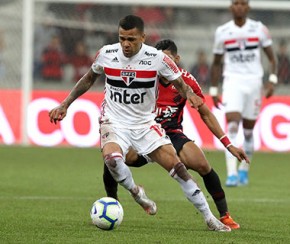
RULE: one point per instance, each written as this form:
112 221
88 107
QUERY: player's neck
240 21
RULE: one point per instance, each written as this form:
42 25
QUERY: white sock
120 171
232 164
191 190
231 161
244 166
248 147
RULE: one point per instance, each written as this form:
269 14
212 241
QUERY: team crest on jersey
128 76
242 43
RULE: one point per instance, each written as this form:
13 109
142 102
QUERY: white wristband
273 78
213 91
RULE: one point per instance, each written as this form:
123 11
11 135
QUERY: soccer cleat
148 205
232 181
243 177
215 225
228 221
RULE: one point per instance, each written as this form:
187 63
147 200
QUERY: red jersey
170 103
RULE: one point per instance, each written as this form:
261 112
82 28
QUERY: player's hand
238 153
216 101
57 114
194 101
269 89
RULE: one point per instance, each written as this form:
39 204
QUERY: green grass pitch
46 195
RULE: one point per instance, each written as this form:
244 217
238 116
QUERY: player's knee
248 134
233 127
203 168
112 159
179 171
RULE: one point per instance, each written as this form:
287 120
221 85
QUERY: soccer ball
107 213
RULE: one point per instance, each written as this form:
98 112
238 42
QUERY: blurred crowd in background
67 38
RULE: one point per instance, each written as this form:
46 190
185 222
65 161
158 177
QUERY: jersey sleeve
167 68
218 47
266 39
192 82
97 66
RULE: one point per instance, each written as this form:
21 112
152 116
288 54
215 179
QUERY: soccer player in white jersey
127 117
238 42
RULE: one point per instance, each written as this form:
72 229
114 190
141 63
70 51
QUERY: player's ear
177 59
143 37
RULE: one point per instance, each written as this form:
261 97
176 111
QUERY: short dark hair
132 21
167 44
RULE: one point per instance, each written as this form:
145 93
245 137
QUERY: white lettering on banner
33 131
5 130
266 119
190 129
271 132
67 125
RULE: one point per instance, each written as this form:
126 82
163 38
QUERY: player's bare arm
187 92
212 123
84 84
269 87
216 70
210 120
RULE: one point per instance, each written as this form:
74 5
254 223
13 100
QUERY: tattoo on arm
182 87
83 85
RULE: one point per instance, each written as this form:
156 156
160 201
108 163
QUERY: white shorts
243 96
144 140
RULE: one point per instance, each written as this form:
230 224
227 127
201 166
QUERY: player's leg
233 101
250 115
111 186
248 146
167 158
132 160
113 157
152 141
193 158
233 119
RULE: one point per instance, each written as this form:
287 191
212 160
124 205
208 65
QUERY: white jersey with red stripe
131 84
241 48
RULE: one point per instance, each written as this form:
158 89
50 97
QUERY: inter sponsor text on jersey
170 104
241 48
131 83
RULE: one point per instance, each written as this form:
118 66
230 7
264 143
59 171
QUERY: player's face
239 9
175 58
131 41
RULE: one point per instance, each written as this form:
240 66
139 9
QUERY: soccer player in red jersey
169 112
